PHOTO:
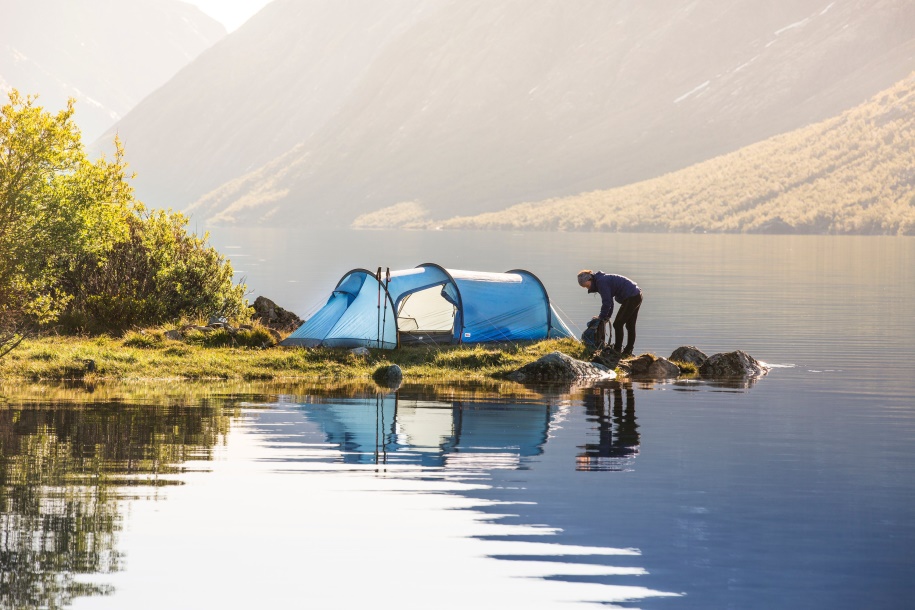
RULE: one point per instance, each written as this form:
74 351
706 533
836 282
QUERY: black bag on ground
594 336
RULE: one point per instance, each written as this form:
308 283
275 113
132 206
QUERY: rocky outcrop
652 367
273 316
732 364
557 367
690 354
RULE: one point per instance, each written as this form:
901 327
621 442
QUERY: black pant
626 316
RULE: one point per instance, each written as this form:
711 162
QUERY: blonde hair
584 276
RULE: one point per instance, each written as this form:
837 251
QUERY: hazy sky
231 13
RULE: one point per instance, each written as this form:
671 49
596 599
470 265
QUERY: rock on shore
652 367
690 354
732 364
273 316
557 367
390 376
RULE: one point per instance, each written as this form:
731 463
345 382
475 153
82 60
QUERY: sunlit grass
149 355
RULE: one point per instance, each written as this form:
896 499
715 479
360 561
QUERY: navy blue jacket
612 287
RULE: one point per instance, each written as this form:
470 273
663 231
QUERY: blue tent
431 304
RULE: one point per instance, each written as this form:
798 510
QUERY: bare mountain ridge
473 105
107 54
256 94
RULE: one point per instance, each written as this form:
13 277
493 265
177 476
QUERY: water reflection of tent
432 304
431 433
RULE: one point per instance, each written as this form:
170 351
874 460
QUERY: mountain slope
260 91
321 111
487 103
853 174
108 54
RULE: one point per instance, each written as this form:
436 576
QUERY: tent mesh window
426 316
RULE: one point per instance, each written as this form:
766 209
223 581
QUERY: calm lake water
796 491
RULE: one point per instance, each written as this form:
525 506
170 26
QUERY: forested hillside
854 174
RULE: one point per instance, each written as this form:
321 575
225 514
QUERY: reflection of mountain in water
391 429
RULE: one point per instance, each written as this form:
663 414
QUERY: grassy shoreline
92 359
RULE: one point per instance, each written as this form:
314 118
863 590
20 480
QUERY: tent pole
384 319
378 319
376 429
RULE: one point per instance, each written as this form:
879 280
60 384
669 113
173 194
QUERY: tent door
425 316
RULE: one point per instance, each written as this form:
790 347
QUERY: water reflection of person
617 431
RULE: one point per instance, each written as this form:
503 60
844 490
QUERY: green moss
687 369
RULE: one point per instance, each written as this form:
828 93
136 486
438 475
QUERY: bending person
626 293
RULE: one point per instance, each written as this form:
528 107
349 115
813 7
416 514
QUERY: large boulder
273 316
652 367
690 354
557 367
732 364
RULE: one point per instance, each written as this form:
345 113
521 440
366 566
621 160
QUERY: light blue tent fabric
474 306
358 313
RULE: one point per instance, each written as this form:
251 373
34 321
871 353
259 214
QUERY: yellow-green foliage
396 215
79 251
853 174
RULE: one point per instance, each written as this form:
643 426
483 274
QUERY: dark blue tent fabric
475 306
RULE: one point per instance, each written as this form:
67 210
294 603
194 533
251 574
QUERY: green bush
255 337
159 273
78 250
